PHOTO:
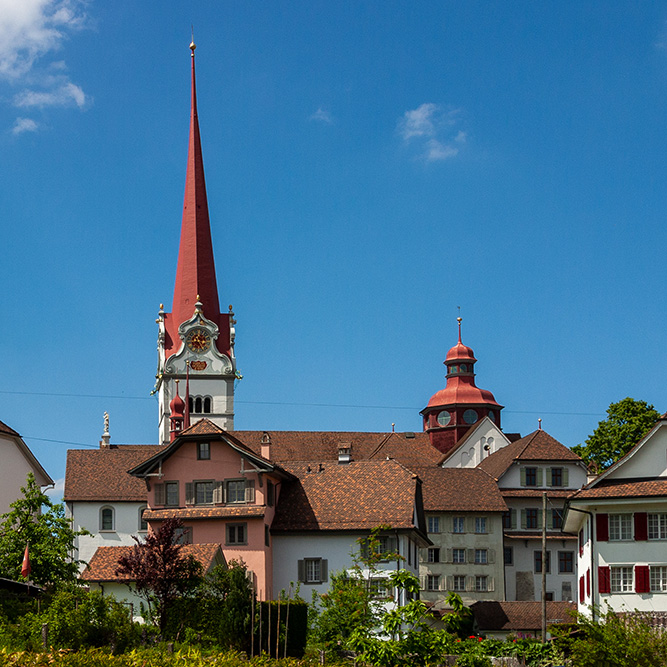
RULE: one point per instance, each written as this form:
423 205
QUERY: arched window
207 405
143 524
191 405
107 518
197 409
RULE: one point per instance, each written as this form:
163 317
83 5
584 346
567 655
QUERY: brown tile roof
536 493
101 474
352 496
410 449
7 430
516 616
203 513
459 490
536 446
625 488
104 563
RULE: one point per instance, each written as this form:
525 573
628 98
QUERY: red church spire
195 273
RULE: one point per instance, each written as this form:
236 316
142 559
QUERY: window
381 588
538 561
556 519
459 582
566 562
432 582
508 555
658 578
509 519
621 579
203 493
481 583
620 526
143 524
183 535
458 555
531 476
531 518
270 494
481 556
657 526
107 518
171 494
203 451
236 533
239 491
312 570
556 477
458 524
480 524
433 555
200 404
267 536
549 596
434 524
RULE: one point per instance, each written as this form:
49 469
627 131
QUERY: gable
482 440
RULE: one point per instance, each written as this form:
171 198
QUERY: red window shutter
602 527
641 526
588 583
604 579
642 579
581 588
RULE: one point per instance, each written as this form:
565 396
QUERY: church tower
453 410
196 340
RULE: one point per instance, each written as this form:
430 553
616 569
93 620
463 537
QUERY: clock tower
452 411
196 340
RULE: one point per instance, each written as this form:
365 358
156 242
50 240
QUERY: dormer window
203 451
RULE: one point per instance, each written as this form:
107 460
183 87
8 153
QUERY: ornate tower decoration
196 340
453 410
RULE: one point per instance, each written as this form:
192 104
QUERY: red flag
25 568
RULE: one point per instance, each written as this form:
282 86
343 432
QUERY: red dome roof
177 406
460 352
461 390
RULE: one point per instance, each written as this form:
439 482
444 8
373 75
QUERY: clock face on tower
198 340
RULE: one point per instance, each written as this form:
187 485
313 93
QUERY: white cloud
31 32
56 493
322 116
22 125
68 94
431 130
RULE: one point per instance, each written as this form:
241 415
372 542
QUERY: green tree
627 422
35 521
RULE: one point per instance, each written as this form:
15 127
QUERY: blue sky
371 166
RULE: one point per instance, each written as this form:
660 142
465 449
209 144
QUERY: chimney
105 442
266 446
344 452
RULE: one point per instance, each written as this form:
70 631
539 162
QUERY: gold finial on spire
193 46
459 319
539 423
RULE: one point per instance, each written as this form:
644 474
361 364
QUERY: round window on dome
464 368
492 415
444 418
453 369
470 416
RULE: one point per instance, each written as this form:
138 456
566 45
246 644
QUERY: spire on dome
195 273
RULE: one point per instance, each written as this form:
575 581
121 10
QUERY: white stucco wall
649 460
15 469
511 479
472 451
87 515
123 593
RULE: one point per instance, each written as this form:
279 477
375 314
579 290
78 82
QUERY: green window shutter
550 519
189 493
491 556
449 556
523 519
539 477
470 555
159 497
513 519
491 584
566 480
450 583
548 471
523 477
539 519
324 570
301 570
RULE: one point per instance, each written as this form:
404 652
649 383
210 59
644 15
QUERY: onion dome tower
453 410
196 340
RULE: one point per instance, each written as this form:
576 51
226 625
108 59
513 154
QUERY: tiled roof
516 616
625 488
537 493
104 563
536 446
352 496
459 490
410 449
7 430
204 513
101 474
